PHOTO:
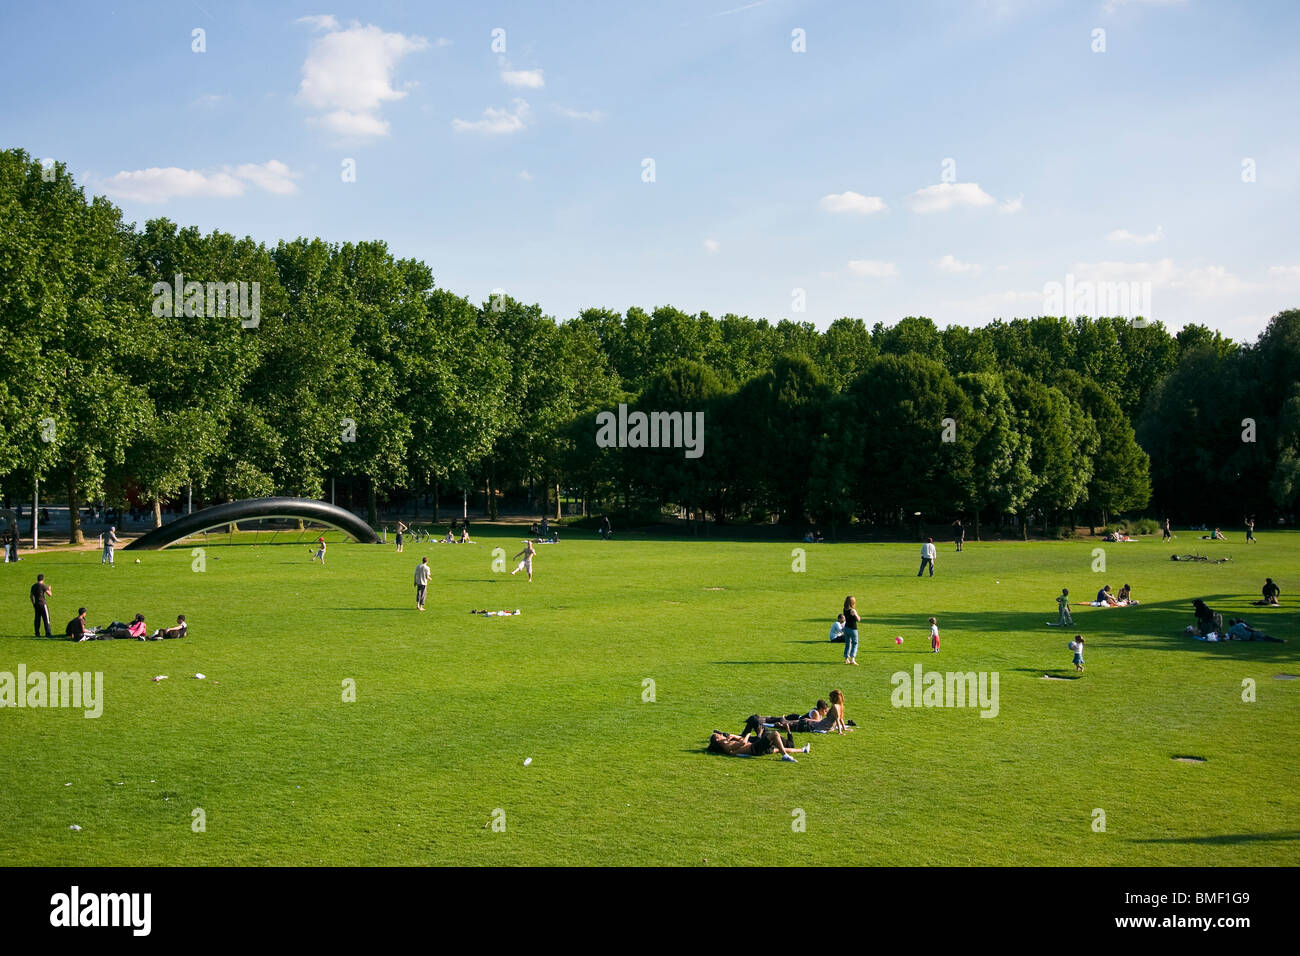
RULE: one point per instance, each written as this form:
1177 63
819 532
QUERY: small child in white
837 630
1076 645
934 635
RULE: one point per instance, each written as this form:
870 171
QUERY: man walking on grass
928 554
421 582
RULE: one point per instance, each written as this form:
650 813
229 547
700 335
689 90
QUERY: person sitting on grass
1271 593
837 630
77 629
170 633
768 742
1125 597
1105 598
464 534
1207 621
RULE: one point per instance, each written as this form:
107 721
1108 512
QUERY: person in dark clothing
1271 593
40 596
76 629
1207 621
958 533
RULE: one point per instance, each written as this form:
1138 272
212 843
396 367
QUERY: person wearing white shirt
421 582
928 554
837 630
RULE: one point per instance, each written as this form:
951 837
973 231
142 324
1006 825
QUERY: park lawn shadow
1229 839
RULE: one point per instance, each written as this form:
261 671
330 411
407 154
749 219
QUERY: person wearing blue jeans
851 621
928 554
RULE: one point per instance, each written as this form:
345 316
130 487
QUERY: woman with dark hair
851 621
1207 621
828 717
768 742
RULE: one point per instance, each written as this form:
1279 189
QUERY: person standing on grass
934 635
40 597
110 539
928 554
401 527
851 621
1076 645
1167 531
421 582
1063 616
320 550
1250 530
527 563
958 533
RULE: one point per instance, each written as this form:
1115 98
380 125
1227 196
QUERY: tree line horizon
359 368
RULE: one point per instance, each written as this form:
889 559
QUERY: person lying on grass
831 719
170 633
769 742
1239 630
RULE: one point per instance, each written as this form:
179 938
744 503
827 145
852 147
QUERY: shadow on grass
833 660
1230 839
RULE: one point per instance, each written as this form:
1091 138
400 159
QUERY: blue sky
774 170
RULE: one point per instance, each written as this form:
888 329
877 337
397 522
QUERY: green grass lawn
449 705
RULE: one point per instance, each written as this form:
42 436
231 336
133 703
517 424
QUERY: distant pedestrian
320 550
1250 530
928 554
1167 531
958 533
851 621
934 635
605 530
110 539
40 603
401 528
421 582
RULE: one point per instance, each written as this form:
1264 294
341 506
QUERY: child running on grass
934 635
1076 645
1063 617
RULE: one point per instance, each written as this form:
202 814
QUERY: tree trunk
558 505
977 524
372 512
1024 526
157 513
74 509
435 502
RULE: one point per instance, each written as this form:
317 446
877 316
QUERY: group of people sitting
775 735
1119 534
543 533
814 536
1209 627
1105 598
78 630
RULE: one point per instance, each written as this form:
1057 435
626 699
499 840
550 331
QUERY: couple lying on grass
762 735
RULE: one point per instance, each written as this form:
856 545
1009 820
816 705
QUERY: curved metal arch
234 511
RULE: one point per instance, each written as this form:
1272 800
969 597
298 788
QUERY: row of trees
357 367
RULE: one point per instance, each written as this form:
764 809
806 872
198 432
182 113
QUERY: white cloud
1113 5
944 196
592 116
852 202
525 175
1284 272
955 266
1141 239
872 268
529 79
211 99
320 22
712 245
441 42
160 184
497 121
348 76
1164 274
1011 206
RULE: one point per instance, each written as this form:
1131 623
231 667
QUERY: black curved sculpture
233 511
